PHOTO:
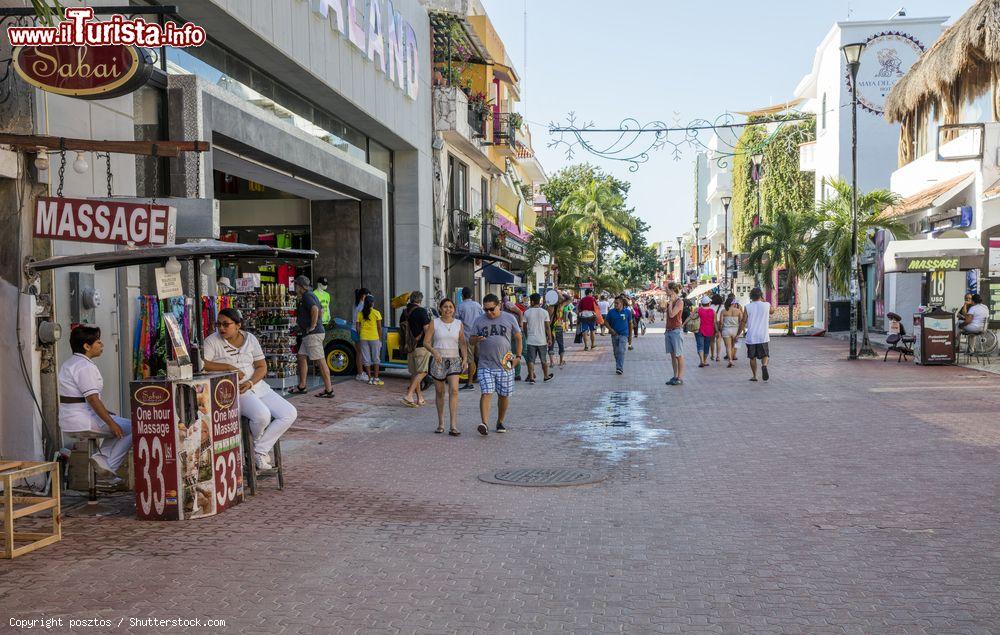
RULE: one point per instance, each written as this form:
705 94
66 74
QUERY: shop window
458 179
218 66
786 288
380 157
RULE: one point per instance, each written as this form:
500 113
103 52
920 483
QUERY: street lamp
852 54
726 200
757 159
697 251
680 254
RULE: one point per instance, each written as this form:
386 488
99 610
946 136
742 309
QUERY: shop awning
933 254
496 275
933 196
702 289
185 251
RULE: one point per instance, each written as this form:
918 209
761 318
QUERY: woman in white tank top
445 340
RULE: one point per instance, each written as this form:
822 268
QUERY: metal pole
757 277
854 212
725 242
196 341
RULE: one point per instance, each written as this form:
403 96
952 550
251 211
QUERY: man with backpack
674 334
412 325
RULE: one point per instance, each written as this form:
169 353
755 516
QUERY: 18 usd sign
108 222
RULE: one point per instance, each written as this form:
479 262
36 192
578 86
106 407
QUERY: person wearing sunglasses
231 349
496 333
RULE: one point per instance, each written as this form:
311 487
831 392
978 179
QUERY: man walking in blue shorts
493 334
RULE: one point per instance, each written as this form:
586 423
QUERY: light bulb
42 160
80 165
173 265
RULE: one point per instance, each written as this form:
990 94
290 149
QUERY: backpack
407 342
685 312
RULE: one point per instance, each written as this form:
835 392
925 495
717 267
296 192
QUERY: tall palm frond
595 208
782 242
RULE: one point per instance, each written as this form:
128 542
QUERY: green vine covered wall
783 186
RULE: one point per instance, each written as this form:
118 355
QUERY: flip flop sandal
439 431
409 404
326 394
298 390
454 433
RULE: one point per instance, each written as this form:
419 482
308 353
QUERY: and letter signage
108 222
84 72
886 58
932 264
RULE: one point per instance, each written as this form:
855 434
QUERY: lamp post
852 54
697 252
726 200
757 159
680 255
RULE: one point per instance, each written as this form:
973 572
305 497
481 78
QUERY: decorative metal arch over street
633 141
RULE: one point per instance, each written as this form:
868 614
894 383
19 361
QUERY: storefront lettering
932 264
108 222
391 39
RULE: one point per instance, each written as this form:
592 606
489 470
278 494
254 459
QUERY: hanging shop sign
84 72
107 222
932 264
886 58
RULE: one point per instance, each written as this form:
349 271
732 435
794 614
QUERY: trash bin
935 333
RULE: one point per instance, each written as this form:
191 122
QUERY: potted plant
474 223
516 120
480 104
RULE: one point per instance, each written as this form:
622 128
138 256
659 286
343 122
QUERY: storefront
930 273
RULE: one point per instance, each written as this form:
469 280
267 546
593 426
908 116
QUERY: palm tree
45 12
782 242
565 249
830 246
595 208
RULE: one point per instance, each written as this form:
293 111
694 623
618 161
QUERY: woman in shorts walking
445 341
369 324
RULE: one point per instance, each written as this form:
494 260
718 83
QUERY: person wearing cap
311 335
324 299
706 330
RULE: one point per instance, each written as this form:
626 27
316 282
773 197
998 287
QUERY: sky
667 60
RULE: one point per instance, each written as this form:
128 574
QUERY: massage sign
108 222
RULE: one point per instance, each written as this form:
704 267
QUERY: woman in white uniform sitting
80 406
231 348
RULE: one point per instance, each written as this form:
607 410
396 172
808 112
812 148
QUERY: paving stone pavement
840 497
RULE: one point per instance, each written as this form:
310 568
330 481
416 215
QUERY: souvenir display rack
269 313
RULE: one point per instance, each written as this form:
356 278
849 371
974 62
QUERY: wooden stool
11 471
91 437
250 466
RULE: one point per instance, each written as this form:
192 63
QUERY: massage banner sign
107 222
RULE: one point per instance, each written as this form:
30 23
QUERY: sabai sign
108 222
384 36
84 72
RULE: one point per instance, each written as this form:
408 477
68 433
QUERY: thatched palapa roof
964 58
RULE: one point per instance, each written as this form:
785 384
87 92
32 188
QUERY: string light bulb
172 265
42 160
80 165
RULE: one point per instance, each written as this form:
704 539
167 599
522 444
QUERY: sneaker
678 381
262 461
361 376
500 427
101 463
763 373
672 381
378 382
530 381
467 387
619 371
483 429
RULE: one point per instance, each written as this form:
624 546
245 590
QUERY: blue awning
496 275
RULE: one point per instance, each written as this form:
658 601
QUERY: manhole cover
544 476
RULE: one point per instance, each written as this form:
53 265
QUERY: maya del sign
380 33
885 59
108 222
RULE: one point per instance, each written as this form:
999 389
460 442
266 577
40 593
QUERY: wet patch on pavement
620 426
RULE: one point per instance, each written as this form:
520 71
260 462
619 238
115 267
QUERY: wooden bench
11 472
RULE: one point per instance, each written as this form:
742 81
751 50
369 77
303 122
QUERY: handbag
578 338
693 323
